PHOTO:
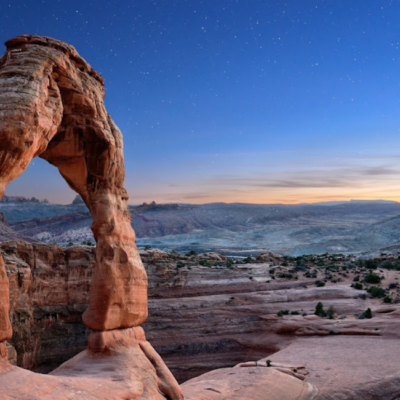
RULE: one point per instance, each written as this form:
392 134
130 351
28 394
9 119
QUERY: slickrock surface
349 367
248 383
117 365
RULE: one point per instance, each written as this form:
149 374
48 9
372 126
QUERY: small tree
368 313
331 313
319 310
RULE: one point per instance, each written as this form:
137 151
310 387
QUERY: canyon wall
202 317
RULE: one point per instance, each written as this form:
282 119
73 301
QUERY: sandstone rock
269 257
52 106
118 370
248 383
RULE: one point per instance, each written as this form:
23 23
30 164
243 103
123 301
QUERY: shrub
372 278
319 283
356 278
357 286
367 314
70 244
376 291
371 263
191 253
319 310
229 263
387 299
331 312
205 263
387 264
180 264
282 312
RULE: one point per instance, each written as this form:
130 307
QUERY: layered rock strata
201 317
52 106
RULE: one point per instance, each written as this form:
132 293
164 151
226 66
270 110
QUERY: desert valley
204 293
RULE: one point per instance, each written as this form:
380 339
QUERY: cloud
327 177
376 171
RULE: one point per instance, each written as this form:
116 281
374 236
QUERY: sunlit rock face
52 106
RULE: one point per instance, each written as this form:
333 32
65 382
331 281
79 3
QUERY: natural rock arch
51 106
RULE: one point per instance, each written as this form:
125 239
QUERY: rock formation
207 317
51 106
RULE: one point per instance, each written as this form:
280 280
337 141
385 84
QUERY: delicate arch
52 106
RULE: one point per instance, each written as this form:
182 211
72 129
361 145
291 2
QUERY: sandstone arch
51 106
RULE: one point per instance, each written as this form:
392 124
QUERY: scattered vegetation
281 313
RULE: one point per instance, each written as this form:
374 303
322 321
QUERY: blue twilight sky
236 100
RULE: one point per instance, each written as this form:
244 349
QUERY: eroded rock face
51 105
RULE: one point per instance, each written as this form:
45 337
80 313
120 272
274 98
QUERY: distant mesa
78 201
21 199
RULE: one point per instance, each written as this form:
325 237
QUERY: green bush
282 312
319 283
376 291
367 314
191 253
371 264
205 263
319 310
372 278
357 286
387 299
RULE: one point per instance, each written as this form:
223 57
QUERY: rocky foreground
208 313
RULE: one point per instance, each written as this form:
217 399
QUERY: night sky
236 101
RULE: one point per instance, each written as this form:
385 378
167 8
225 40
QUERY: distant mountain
21 199
338 227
